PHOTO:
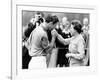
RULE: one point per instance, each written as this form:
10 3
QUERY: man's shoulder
39 31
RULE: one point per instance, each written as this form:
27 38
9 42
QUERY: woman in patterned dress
76 53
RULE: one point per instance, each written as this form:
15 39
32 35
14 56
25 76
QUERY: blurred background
27 15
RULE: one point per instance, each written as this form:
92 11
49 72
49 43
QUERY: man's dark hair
77 25
53 19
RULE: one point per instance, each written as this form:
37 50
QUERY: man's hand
54 33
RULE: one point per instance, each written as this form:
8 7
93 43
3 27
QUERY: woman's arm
75 55
62 40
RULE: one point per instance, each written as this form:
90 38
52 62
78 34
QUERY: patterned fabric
77 47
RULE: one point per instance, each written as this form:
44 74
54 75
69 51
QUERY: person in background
34 22
66 28
76 43
63 30
85 27
85 34
38 44
61 27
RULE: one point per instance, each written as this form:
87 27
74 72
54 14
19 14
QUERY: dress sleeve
64 41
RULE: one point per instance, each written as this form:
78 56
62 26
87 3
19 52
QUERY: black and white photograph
55 39
50 40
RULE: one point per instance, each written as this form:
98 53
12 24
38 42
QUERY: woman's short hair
53 19
77 26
